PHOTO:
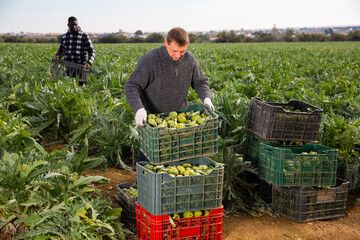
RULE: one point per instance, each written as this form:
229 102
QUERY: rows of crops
37 109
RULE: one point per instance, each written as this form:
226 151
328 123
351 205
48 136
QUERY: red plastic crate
159 227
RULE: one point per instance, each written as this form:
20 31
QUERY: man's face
175 50
73 26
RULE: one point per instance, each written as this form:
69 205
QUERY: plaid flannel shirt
75 46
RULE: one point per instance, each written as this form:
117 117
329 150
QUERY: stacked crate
303 177
161 195
127 203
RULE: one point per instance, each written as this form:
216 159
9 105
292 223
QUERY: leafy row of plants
45 195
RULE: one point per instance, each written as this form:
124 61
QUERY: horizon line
239 29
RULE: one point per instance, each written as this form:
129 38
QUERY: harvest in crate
197 213
130 192
312 158
177 120
187 169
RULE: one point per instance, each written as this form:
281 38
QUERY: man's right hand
57 57
140 117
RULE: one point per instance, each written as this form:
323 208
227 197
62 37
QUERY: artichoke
197 213
173 115
173 170
152 122
201 120
188 214
181 118
180 125
151 116
206 212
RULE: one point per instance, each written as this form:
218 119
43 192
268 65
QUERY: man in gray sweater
163 76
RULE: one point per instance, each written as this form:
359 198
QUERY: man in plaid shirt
74 46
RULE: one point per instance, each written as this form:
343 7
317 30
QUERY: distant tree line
26 39
222 37
288 36
118 38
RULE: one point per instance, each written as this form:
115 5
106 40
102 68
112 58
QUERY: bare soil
241 226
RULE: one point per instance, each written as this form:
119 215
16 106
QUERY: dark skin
73 26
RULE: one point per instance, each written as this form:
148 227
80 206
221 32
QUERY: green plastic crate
252 147
287 166
304 204
159 193
161 145
292 121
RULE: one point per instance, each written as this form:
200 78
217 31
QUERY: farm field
93 128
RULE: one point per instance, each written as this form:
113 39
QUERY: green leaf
30 220
114 212
86 180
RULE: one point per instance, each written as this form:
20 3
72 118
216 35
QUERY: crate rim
278 104
121 189
288 147
175 163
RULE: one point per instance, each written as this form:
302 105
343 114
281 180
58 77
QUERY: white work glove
140 117
208 104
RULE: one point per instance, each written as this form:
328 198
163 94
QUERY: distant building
213 37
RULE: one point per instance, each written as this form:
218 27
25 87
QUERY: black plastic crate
64 68
304 204
357 147
292 121
261 187
128 214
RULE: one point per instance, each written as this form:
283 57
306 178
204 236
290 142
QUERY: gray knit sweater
160 84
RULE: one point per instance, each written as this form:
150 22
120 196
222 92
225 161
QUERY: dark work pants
73 75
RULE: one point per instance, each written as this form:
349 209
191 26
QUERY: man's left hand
208 104
87 66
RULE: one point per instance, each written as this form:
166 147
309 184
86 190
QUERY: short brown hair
179 36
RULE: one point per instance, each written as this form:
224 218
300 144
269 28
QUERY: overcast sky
50 16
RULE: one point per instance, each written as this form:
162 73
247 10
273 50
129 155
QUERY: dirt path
244 227
241 227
